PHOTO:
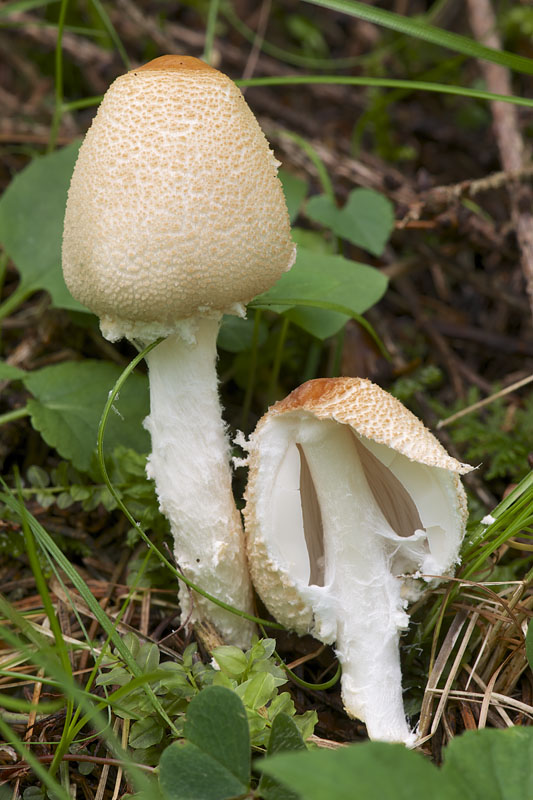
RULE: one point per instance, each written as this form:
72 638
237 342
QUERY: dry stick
264 16
498 699
486 400
436 672
482 685
488 696
509 139
453 672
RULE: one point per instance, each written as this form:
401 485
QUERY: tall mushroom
349 497
175 215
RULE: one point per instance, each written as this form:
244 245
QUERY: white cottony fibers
359 545
190 466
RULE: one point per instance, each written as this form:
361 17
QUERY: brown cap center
176 63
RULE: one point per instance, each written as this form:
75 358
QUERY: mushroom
175 215
349 498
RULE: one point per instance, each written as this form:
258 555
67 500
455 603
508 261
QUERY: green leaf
38 477
319 322
284 735
68 404
10 373
428 33
148 657
216 722
215 762
31 224
318 277
529 643
231 660
491 764
368 771
146 732
236 334
367 219
187 773
478 765
257 691
295 191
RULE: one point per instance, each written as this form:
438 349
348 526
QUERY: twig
253 57
486 400
509 139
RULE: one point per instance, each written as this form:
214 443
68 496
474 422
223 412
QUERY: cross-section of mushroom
349 496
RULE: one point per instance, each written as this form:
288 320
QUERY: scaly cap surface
372 413
175 208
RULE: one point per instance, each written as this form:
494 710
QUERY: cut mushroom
175 215
349 499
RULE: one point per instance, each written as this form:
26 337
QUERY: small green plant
214 762
254 676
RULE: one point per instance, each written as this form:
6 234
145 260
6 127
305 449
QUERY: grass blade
429 33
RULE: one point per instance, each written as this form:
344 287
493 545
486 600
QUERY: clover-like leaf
214 763
367 219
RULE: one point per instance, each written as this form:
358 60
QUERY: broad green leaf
428 33
478 765
317 277
368 771
31 224
312 240
216 723
295 191
367 219
214 764
186 772
529 643
491 764
236 334
68 403
284 735
319 322
10 373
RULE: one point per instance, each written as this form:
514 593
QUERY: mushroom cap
395 437
371 412
174 208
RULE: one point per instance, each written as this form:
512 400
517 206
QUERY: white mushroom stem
190 466
362 593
